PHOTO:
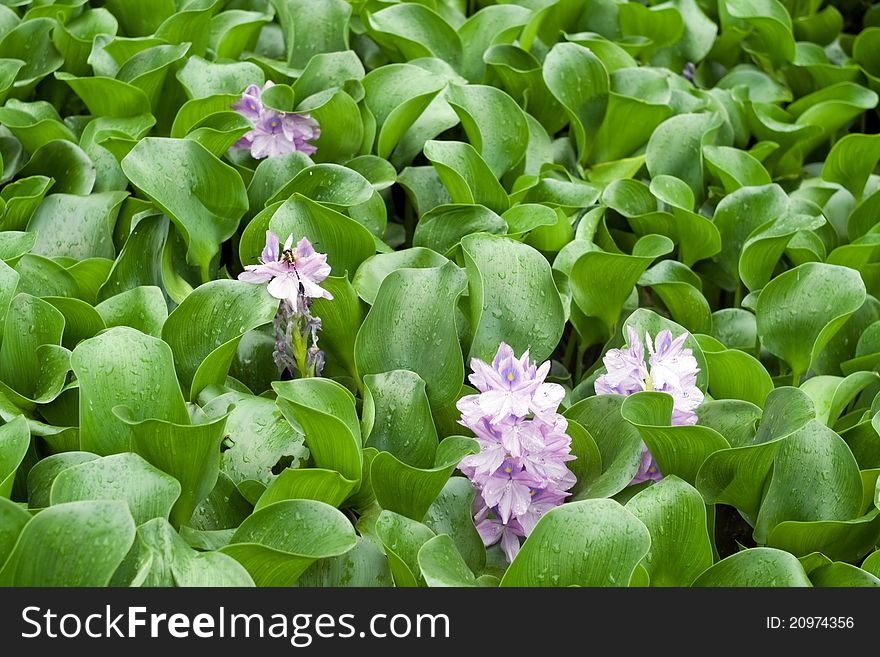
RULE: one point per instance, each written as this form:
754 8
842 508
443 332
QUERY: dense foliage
564 176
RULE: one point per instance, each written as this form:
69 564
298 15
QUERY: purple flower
275 133
511 387
520 471
509 490
492 531
671 368
250 105
648 470
294 274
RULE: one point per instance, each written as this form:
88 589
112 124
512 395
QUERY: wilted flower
520 470
293 275
671 368
275 133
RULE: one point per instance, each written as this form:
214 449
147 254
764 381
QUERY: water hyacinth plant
439 293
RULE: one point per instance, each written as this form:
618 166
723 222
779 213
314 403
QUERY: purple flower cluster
671 368
274 133
520 472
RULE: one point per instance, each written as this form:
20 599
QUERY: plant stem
299 348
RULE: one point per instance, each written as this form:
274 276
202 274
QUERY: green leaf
797 335
488 26
680 291
409 318
411 31
832 394
15 438
756 567
618 441
442 228
676 148
13 518
64 162
78 227
466 175
346 243
74 544
402 539
326 486
369 276
579 81
397 417
230 309
123 366
843 575
203 79
678 450
442 565
325 411
765 245
33 365
257 438
22 198
601 282
588 543
410 491
31 42
851 161
494 124
149 493
142 308
363 565
815 477
396 95
737 476
160 557
505 278
188 452
734 374
204 197
846 540
105 96
279 542
734 168
451 513
43 474
675 516
310 29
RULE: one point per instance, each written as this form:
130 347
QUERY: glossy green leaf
325 411
675 516
579 81
279 542
410 491
505 277
756 567
148 492
407 319
123 367
618 442
74 544
588 543
204 197
14 443
678 450
831 293
466 175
